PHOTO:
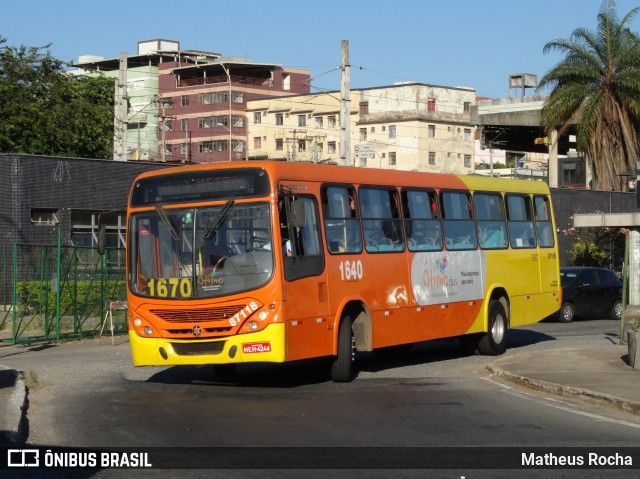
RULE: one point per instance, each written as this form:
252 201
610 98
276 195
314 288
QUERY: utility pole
345 106
120 112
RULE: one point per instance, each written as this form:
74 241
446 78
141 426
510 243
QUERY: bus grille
197 315
197 349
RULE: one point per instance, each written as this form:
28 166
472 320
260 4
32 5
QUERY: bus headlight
148 330
253 326
263 315
137 322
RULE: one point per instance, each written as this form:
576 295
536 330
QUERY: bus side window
424 232
341 221
457 221
381 220
543 222
519 215
492 228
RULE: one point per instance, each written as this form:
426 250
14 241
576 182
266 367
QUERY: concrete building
408 126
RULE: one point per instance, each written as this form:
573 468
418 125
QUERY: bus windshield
202 252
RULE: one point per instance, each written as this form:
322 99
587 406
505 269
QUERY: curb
568 391
13 423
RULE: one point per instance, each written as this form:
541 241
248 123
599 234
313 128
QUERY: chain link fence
54 292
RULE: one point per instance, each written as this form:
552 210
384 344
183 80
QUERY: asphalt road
89 395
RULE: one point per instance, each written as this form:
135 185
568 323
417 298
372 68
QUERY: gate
54 292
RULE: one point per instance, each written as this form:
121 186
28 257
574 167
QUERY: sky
468 43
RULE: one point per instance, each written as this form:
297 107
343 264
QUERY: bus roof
281 170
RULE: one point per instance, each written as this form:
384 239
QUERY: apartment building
189 106
408 126
203 107
142 88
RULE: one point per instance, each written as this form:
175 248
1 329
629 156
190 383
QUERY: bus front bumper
267 345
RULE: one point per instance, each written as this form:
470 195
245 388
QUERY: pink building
203 105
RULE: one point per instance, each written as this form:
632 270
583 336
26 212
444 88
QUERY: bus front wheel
494 341
342 366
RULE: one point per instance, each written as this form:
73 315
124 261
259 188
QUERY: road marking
562 405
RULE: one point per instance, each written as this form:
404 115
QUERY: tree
597 86
46 111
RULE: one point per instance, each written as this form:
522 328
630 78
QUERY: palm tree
597 87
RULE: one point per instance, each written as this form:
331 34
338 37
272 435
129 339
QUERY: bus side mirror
297 219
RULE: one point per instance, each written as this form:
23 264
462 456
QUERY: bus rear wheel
494 341
342 366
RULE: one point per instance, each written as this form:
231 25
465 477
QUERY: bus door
306 305
549 272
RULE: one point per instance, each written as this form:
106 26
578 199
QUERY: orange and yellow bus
271 261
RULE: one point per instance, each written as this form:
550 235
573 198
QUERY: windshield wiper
211 230
167 222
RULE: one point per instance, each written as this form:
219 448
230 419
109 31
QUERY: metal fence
54 292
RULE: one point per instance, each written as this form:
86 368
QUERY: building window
466 106
431 131
432 157
392 158
213 97
220 145
212 121
431 104
184 148
44 216
467 161
279 119
184 100
363 134
302 120
392 131
302 145
237 121
237 97
286 81
319 122
84 229
237 146
331 147
257 142
467 134
257 117
373 129
279 144
205 147
331 121
184 124
364 107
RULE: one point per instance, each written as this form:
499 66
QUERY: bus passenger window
457 222
543 222
381 220
341 222
424 232
492 229
519 215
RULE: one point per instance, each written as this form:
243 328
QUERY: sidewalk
598 374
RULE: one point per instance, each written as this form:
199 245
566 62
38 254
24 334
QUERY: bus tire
342 366
494 341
